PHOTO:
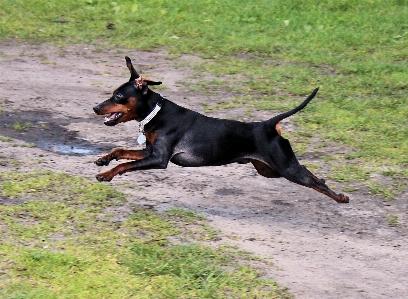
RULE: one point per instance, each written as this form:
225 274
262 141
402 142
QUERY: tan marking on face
130 110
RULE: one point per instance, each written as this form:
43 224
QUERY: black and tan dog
187 138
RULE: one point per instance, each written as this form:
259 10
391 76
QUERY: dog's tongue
113 115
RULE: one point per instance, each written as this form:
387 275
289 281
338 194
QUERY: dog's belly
188 160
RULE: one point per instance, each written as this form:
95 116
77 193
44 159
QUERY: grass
5 139
61 238
197 226
393 220
22 126
349 173
388 191
24 144
318 28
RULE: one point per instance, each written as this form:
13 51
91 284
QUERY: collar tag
141 139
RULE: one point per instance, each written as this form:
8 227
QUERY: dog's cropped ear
133 74
151 82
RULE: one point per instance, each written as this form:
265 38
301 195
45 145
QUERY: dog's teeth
113 116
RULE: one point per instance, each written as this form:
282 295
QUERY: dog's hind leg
315 177
302 176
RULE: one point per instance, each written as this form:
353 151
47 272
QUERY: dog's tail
275 120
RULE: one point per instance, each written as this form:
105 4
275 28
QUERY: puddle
48 133
67 149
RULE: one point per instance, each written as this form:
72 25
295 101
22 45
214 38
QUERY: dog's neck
152 114
142 138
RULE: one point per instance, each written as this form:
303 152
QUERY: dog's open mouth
113 117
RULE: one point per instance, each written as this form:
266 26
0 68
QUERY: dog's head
129 101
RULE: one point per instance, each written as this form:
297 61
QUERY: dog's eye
120 98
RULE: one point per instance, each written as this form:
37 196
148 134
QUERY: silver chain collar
142 138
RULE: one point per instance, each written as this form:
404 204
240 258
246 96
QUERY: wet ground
50 134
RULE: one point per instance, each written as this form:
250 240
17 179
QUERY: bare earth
319 249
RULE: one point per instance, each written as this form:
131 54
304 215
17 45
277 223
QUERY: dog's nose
96 108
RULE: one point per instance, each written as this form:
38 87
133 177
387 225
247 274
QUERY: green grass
67 187
22 126
393 220
24 144
217 28
5 139
61 238
195 226
388 191
349 173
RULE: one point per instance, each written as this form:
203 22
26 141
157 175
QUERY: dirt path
319 249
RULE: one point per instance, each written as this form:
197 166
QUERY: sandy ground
319 249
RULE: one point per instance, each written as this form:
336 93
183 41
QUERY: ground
318 248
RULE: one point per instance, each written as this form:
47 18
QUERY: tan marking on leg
340 198
264 169
120 169
150 137
128 154
121 154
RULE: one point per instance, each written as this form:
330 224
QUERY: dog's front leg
122 154
154 161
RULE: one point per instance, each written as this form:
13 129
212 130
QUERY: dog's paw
102 162
102 178
344 198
